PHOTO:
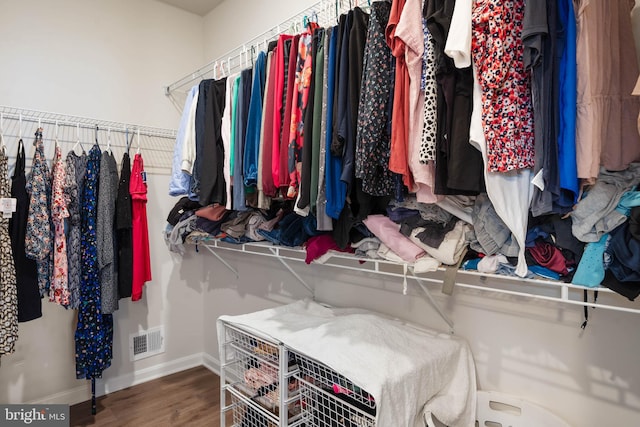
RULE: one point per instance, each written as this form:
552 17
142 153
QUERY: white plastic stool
496 409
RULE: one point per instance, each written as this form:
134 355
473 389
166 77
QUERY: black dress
29 302
124 230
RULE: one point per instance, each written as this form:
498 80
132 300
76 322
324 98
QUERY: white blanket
412 373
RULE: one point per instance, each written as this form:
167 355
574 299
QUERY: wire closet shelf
155 144
324 12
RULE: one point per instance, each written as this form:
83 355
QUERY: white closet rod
63 120
324 12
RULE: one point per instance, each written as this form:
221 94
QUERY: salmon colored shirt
399 158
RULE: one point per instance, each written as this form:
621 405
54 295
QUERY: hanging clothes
76 167
179 184
244 98
280 169
252 142
399 160
39 236
373 133
301 207
567 68
29 301
204 93
318 117
105 234
140 229
212 185
8 290
409 34
323 221
337 197
539 37
94 331
458 167
430 86
226 133
124 230
233 139
507 114
302 84
281 84
335 188
59 292
607 69
266 133
510 194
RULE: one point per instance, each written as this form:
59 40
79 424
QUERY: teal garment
234 118
628 201
590 271
318 100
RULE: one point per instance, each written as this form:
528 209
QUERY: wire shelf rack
79 133
321 408
314 372
324 12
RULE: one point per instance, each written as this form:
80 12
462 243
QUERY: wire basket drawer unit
329 399
253 371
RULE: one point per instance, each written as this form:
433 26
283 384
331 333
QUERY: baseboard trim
110 385
211 363
70 397
147 374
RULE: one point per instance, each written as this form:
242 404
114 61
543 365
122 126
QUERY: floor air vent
146 343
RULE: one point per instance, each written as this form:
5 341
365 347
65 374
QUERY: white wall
108 60
528 348
232 23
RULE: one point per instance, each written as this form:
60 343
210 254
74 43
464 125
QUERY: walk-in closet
252 213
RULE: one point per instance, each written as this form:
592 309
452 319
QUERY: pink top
389 233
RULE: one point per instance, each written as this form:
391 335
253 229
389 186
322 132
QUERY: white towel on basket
412 373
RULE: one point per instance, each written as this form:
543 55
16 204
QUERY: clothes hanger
138 141
96 136
78 143
55 137
109 140
38 134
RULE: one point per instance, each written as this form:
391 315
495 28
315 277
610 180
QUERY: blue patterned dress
76 168
94 333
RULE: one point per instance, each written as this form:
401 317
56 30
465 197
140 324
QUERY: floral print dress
8 289
300 100
39 236
94 332
373 136
507 110
59 292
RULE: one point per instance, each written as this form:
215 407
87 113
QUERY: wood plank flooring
188 398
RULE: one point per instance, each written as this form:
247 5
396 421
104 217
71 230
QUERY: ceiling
199 7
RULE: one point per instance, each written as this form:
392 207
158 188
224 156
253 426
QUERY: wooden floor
188 398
